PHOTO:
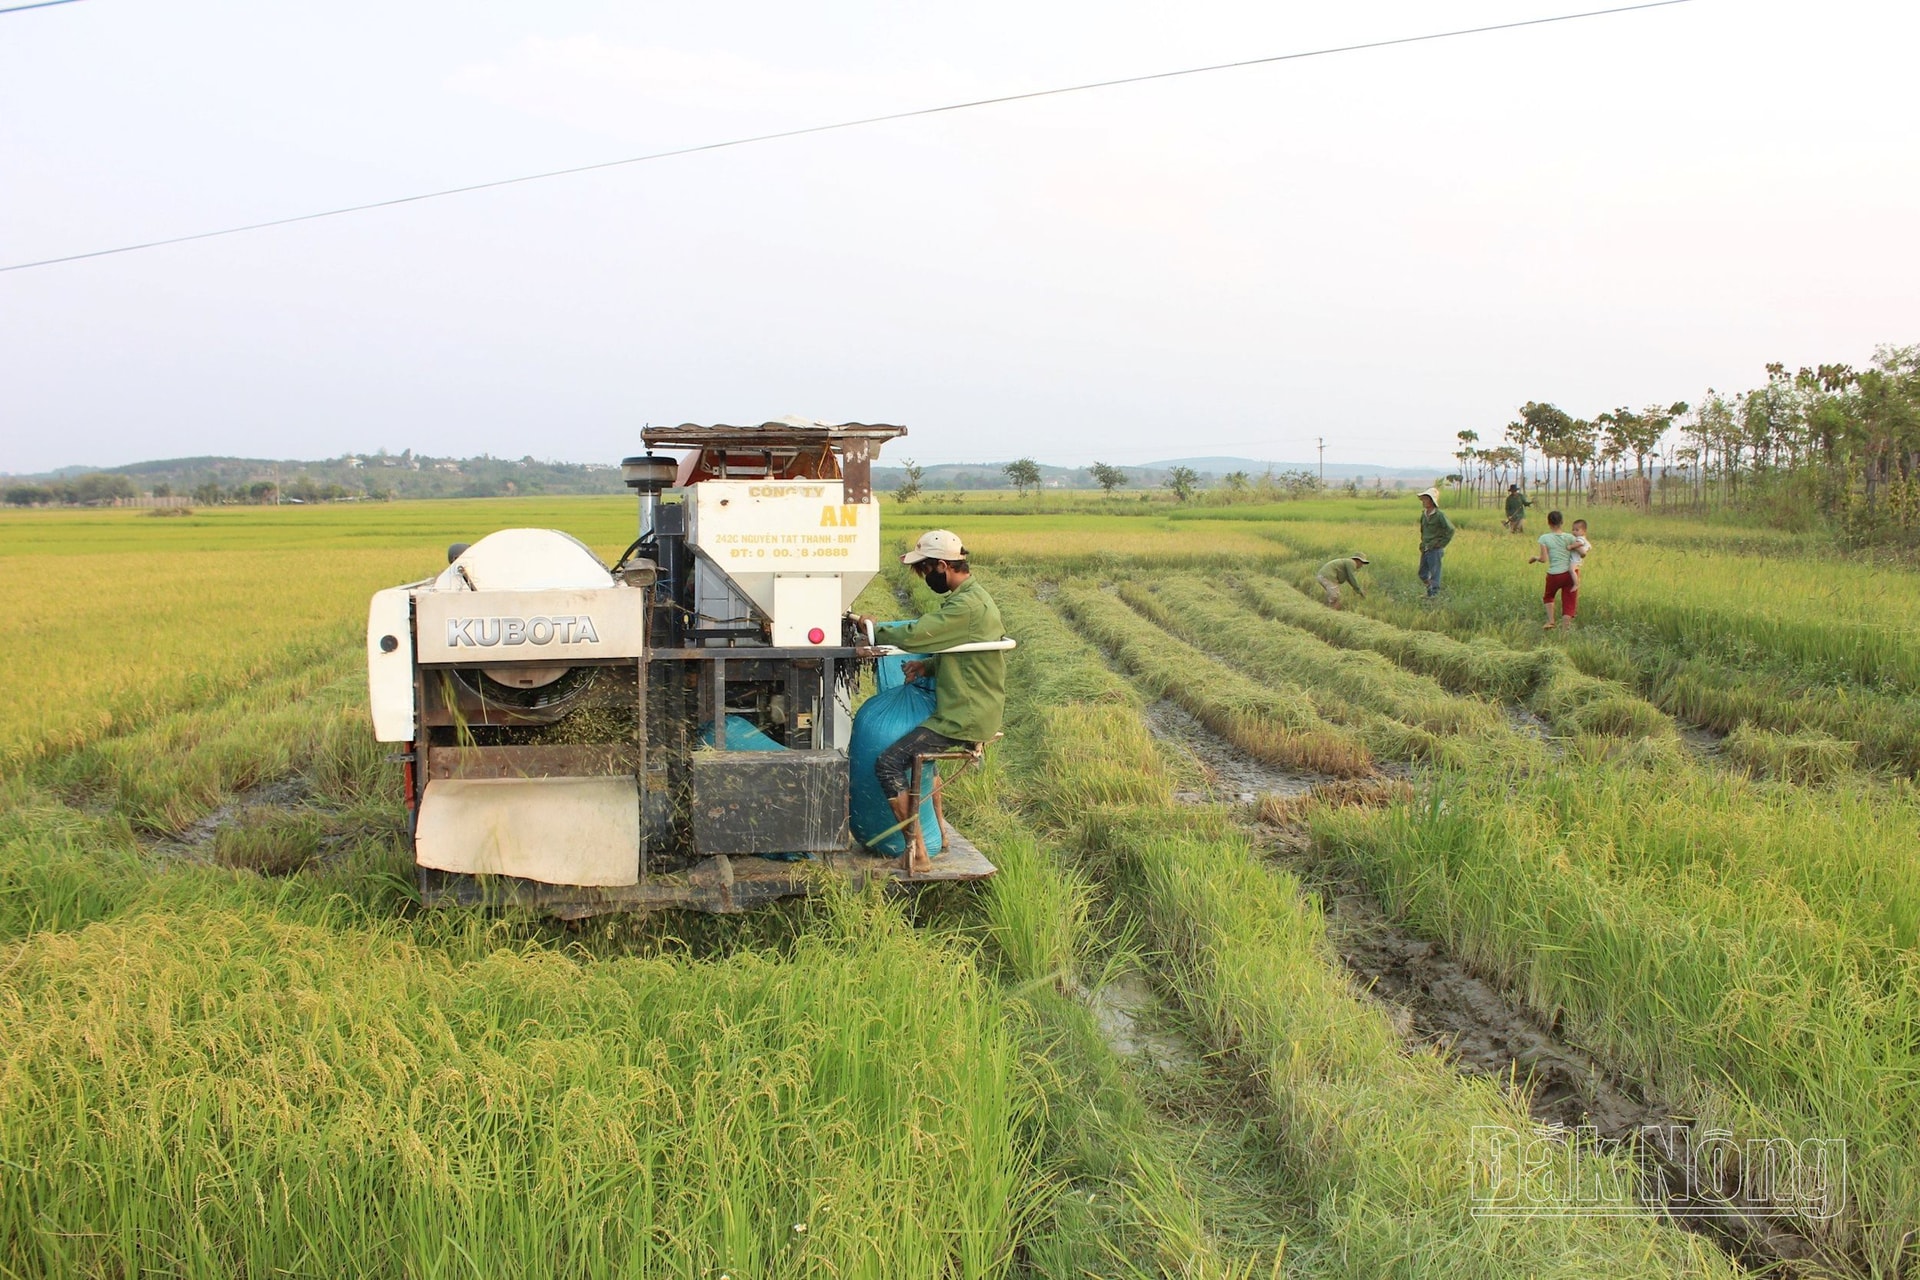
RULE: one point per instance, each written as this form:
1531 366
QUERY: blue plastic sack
742 735
890 672
883 720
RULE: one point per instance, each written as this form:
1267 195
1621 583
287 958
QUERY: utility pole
1322 441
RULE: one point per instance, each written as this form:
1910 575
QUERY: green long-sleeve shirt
1517 504
1341 570
1436 531
969 689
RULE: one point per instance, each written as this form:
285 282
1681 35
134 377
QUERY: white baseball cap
1429 493
936 544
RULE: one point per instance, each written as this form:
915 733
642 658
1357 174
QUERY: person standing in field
1556 552
1517 504
969 689
1335 572
1581 549
1436 531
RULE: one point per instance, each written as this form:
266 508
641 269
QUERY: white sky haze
1380 247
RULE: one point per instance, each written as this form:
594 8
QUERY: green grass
1546 680
264 1095
1805 757
1479 666
1274 723
1749 951
1885 727
1379 1141
1343 682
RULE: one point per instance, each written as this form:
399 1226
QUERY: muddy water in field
1231 776
1701 740
1436 999
194 843
1130 1018
1531 725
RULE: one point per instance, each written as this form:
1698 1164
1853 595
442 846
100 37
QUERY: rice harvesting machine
670 731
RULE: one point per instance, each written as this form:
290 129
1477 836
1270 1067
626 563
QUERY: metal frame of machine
668 732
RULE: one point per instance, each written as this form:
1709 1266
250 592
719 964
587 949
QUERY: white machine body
525 606
794 548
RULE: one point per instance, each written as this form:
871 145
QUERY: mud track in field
1130 1018
1231 776
194 842
1436 999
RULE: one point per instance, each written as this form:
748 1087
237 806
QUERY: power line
37 4
827 128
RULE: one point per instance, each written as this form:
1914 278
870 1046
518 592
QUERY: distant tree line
98 489
1549 449
210 481
1183 482
1823 443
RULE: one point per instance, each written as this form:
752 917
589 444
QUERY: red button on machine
816 635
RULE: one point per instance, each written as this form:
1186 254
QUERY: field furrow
1209 617
1544 679
1275 723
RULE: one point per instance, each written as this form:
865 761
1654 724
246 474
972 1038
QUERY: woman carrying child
1556 551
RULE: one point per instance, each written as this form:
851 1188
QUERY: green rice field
1680 841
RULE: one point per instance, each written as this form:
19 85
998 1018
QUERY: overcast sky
1380 248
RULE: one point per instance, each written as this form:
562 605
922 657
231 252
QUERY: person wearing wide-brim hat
1436 531
1517 504
1337 571
970 689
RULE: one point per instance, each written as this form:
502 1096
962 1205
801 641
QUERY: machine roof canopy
783 448
787 433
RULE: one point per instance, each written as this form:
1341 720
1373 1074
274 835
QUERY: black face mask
936 578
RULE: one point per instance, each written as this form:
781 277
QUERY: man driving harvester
970 689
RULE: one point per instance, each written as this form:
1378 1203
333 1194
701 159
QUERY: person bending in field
1556 552
1335 572
1581 549
969 689
1517 504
